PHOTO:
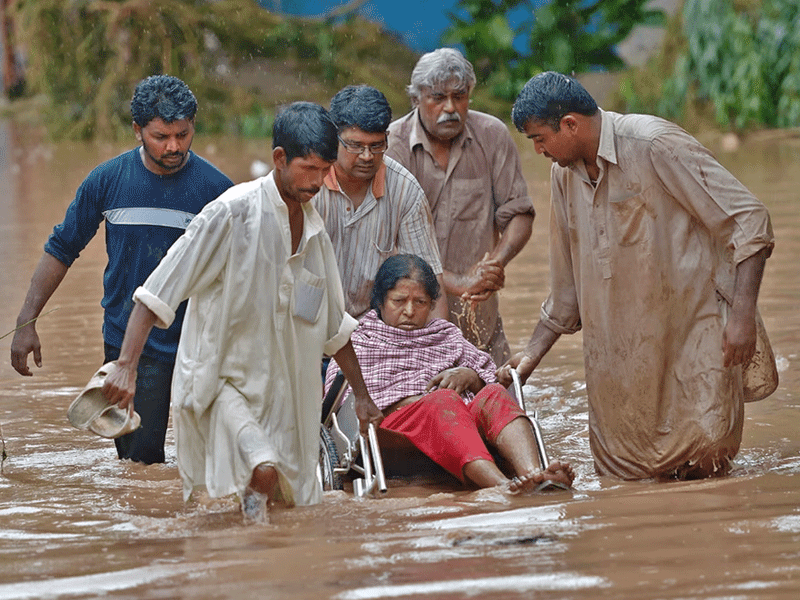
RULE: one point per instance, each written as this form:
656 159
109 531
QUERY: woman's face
407 305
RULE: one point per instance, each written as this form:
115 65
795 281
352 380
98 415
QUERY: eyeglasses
374 149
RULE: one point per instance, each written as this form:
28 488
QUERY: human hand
738 340
523 364
483 279
367 413
119 386
25 341
458 379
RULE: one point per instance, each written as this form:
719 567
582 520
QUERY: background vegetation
88 56
567 36
733 63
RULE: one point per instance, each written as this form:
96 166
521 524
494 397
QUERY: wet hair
164 97
549 96
305 128
361 106
402 266
436 69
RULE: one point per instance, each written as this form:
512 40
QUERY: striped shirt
394 218
397 363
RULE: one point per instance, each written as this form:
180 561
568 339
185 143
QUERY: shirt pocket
384 244
631 217
309 290
470 201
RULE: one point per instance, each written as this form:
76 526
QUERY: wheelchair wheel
328 461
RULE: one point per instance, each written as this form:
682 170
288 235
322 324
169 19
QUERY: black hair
164 97
549 96
305 128
361 106
401 266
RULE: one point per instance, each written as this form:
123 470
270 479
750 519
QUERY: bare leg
260 493
517 444
484 473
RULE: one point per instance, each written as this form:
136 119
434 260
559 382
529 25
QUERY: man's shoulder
241 199
395 170
401 128
209 171
641 127
112 166
481 121
400 180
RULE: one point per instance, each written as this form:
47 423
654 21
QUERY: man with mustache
266 302
372 206
147 197
469 168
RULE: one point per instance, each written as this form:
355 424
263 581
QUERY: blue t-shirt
144 213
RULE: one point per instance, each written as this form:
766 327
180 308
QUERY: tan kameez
643 263
472 202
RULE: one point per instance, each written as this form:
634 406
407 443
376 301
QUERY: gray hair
438 68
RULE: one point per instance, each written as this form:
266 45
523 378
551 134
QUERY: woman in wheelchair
437 389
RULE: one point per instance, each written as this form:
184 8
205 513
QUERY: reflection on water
76 522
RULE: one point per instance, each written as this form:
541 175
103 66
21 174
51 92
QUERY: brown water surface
77 522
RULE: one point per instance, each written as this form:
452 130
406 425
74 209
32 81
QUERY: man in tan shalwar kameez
265 301
657 253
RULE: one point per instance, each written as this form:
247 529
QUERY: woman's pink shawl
398 363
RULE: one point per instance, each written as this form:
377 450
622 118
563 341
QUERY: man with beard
147 197
469 168
266 302
372 206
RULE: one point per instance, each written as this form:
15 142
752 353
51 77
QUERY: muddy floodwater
75 522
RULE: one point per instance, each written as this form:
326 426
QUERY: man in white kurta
256 325
265 302
651 243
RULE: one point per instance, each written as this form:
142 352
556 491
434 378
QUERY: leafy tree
89 54
737 61
560 35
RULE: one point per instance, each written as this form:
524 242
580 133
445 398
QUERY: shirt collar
607 149
378 182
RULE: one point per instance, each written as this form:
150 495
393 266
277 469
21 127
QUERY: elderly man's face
443 111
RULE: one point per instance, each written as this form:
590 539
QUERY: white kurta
246 388
642 263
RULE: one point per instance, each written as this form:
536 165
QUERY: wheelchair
344 451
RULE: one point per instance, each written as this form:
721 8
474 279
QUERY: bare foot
560 473
557 472
260 494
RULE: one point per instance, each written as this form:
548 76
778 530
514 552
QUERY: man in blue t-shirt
147 197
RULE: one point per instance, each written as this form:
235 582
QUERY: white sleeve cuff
337 342
163 312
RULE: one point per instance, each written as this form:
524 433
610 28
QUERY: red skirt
452 433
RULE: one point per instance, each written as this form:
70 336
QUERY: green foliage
89 55
563 35
738 63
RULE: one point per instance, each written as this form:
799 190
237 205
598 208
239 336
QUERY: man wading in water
147 196
266 301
